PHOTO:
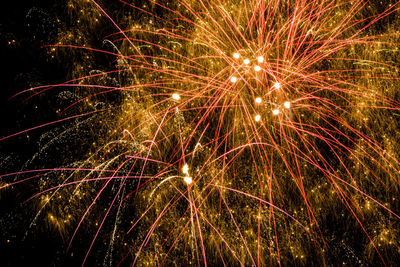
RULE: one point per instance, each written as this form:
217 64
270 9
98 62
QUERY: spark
260 59
257 117
275 111
176 96
246 61
257 68
277 85
185 169
236 55
234 79
188 180
258 100
287 104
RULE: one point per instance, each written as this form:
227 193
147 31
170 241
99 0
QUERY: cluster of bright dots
246 61
258 100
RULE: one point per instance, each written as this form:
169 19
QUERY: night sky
27 26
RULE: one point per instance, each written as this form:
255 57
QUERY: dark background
25 27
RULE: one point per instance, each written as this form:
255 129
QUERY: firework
240 133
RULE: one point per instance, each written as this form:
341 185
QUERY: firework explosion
220 133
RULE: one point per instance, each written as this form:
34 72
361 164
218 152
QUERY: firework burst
243 133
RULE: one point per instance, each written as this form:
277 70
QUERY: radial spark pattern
223 132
